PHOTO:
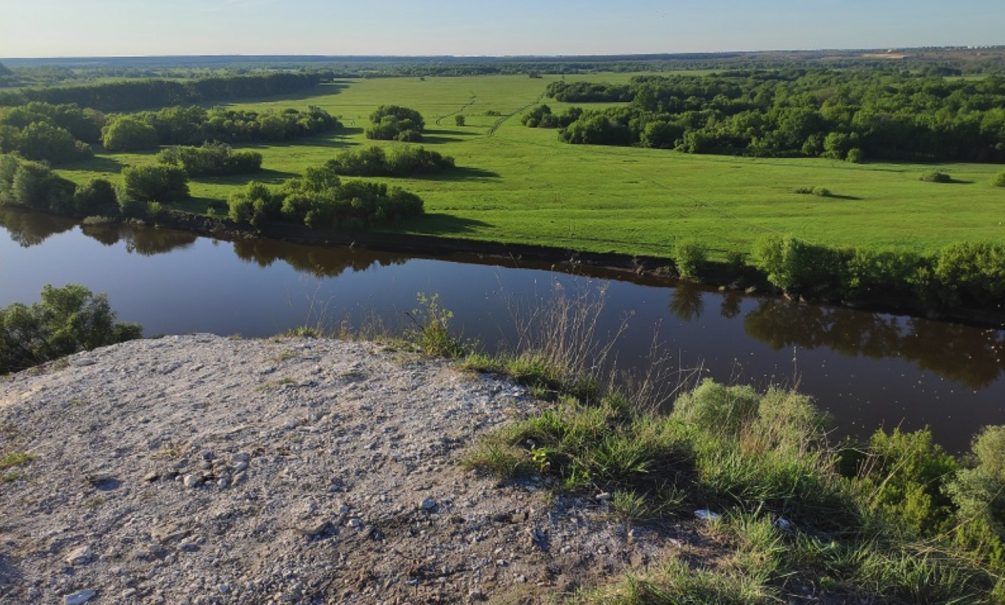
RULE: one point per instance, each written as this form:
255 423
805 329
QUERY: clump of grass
792 521
303 332
431 332
815 190
13 459
936 177
690 257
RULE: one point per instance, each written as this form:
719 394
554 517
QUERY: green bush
855 156
690 257
66 321
401 162
126 133
396 123
936 177
156 183
256 205
999 179
880 273
96 198
36 186
972 273
796 266
902 477
459 120
212 159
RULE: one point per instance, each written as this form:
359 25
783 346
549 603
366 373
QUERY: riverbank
648 270
200 469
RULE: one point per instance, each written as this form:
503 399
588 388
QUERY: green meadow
522 185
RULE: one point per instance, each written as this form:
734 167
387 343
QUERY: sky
61 28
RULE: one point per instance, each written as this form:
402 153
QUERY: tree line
65 133
128 95
195 125
374 161
848 115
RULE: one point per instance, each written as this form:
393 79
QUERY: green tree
66 321
129 134
156 183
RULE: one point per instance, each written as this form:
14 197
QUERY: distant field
522 185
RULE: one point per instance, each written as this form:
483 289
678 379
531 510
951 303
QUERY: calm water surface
867 369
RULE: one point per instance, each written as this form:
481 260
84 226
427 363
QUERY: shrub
855 156
43 141
999 180
156 183
973 273
936 177
66 321
374 161
816 190
877 273
902 477
396 123
690 257
36 186
459 120
256 205
796 266
126 133
212 159
96 198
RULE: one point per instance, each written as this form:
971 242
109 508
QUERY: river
867 369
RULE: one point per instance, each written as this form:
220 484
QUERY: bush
881 273
66 321
156 183
320 200
96 198
43 141
126 133
936 177
212 159
256 205
36 186
459 120
796 266
999 180
396 123
374 161
690 257
855 156
902 477
972 273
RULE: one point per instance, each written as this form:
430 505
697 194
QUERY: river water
867 369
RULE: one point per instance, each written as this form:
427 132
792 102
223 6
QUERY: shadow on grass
443 224
332 88
272 177
95 164
461 174
435 137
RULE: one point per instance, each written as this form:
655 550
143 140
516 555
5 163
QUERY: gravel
200 469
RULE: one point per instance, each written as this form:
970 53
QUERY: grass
11 461
521 185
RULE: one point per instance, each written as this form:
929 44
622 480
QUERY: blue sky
46 28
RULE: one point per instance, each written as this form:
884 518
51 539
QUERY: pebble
192 481
429 505
79 556
80 597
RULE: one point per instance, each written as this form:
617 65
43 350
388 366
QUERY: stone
80 597
429 505
79 556
192 481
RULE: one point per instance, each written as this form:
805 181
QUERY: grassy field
519 184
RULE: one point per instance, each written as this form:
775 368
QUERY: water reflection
313 260
144 241
965 354
30 229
